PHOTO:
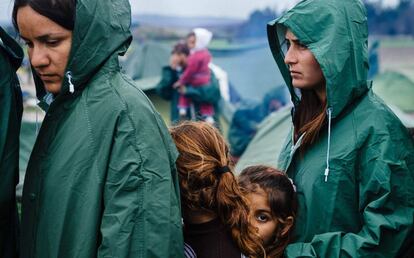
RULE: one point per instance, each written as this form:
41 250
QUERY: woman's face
305 71
261 216
48 46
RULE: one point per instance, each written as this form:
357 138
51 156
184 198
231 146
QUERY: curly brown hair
281 197
202 150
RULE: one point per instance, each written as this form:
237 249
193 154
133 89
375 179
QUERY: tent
143 63
395 89
265 147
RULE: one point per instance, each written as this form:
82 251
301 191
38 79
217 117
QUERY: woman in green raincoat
101 180
11 56
350 157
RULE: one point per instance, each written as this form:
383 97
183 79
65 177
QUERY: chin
299 85
52 87
302 85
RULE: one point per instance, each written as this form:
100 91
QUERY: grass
163 107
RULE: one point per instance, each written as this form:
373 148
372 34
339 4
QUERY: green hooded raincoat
101 180
355 184
11 56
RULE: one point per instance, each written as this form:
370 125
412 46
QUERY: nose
38 57
290 57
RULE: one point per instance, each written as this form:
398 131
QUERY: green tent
395 89
266 145
144 62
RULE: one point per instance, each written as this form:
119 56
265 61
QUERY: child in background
214 209
273 206
197 72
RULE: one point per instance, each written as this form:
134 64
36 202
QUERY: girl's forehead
257 194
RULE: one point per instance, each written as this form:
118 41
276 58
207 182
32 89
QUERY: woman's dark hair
60 11
202 150
281 198
309 117
181 48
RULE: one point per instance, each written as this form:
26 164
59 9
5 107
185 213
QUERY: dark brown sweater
211 240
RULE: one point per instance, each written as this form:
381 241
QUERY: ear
286 226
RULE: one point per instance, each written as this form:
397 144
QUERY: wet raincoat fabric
355 183
209 93
101 180
11 56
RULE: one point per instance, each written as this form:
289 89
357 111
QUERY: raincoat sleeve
141 216
11 56
164 88
206 94
386 203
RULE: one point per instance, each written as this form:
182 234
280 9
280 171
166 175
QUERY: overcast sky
222 8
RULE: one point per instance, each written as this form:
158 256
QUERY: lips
295 74
47 77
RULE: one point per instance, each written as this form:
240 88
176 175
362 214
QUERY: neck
198 217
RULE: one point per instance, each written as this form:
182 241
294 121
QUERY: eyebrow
294 40
44 37
263 210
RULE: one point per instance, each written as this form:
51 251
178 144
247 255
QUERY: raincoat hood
341 52
203 38
101 33
11 47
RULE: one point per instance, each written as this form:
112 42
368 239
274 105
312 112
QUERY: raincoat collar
101 33
337 34
12 48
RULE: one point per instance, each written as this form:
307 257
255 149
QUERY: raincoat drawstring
71 86
329 111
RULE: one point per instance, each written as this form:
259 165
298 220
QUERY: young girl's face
261 216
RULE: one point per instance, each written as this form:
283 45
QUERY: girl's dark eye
302 46
287 44
262 218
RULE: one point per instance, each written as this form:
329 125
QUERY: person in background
196 73
11 56
349 156
101 180
273 206
215 212
248 116
207 94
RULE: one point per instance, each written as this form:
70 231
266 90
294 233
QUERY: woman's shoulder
373 112
373 120
116 96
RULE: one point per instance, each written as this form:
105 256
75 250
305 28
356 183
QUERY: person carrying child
197 72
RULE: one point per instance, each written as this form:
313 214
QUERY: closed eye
29 44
